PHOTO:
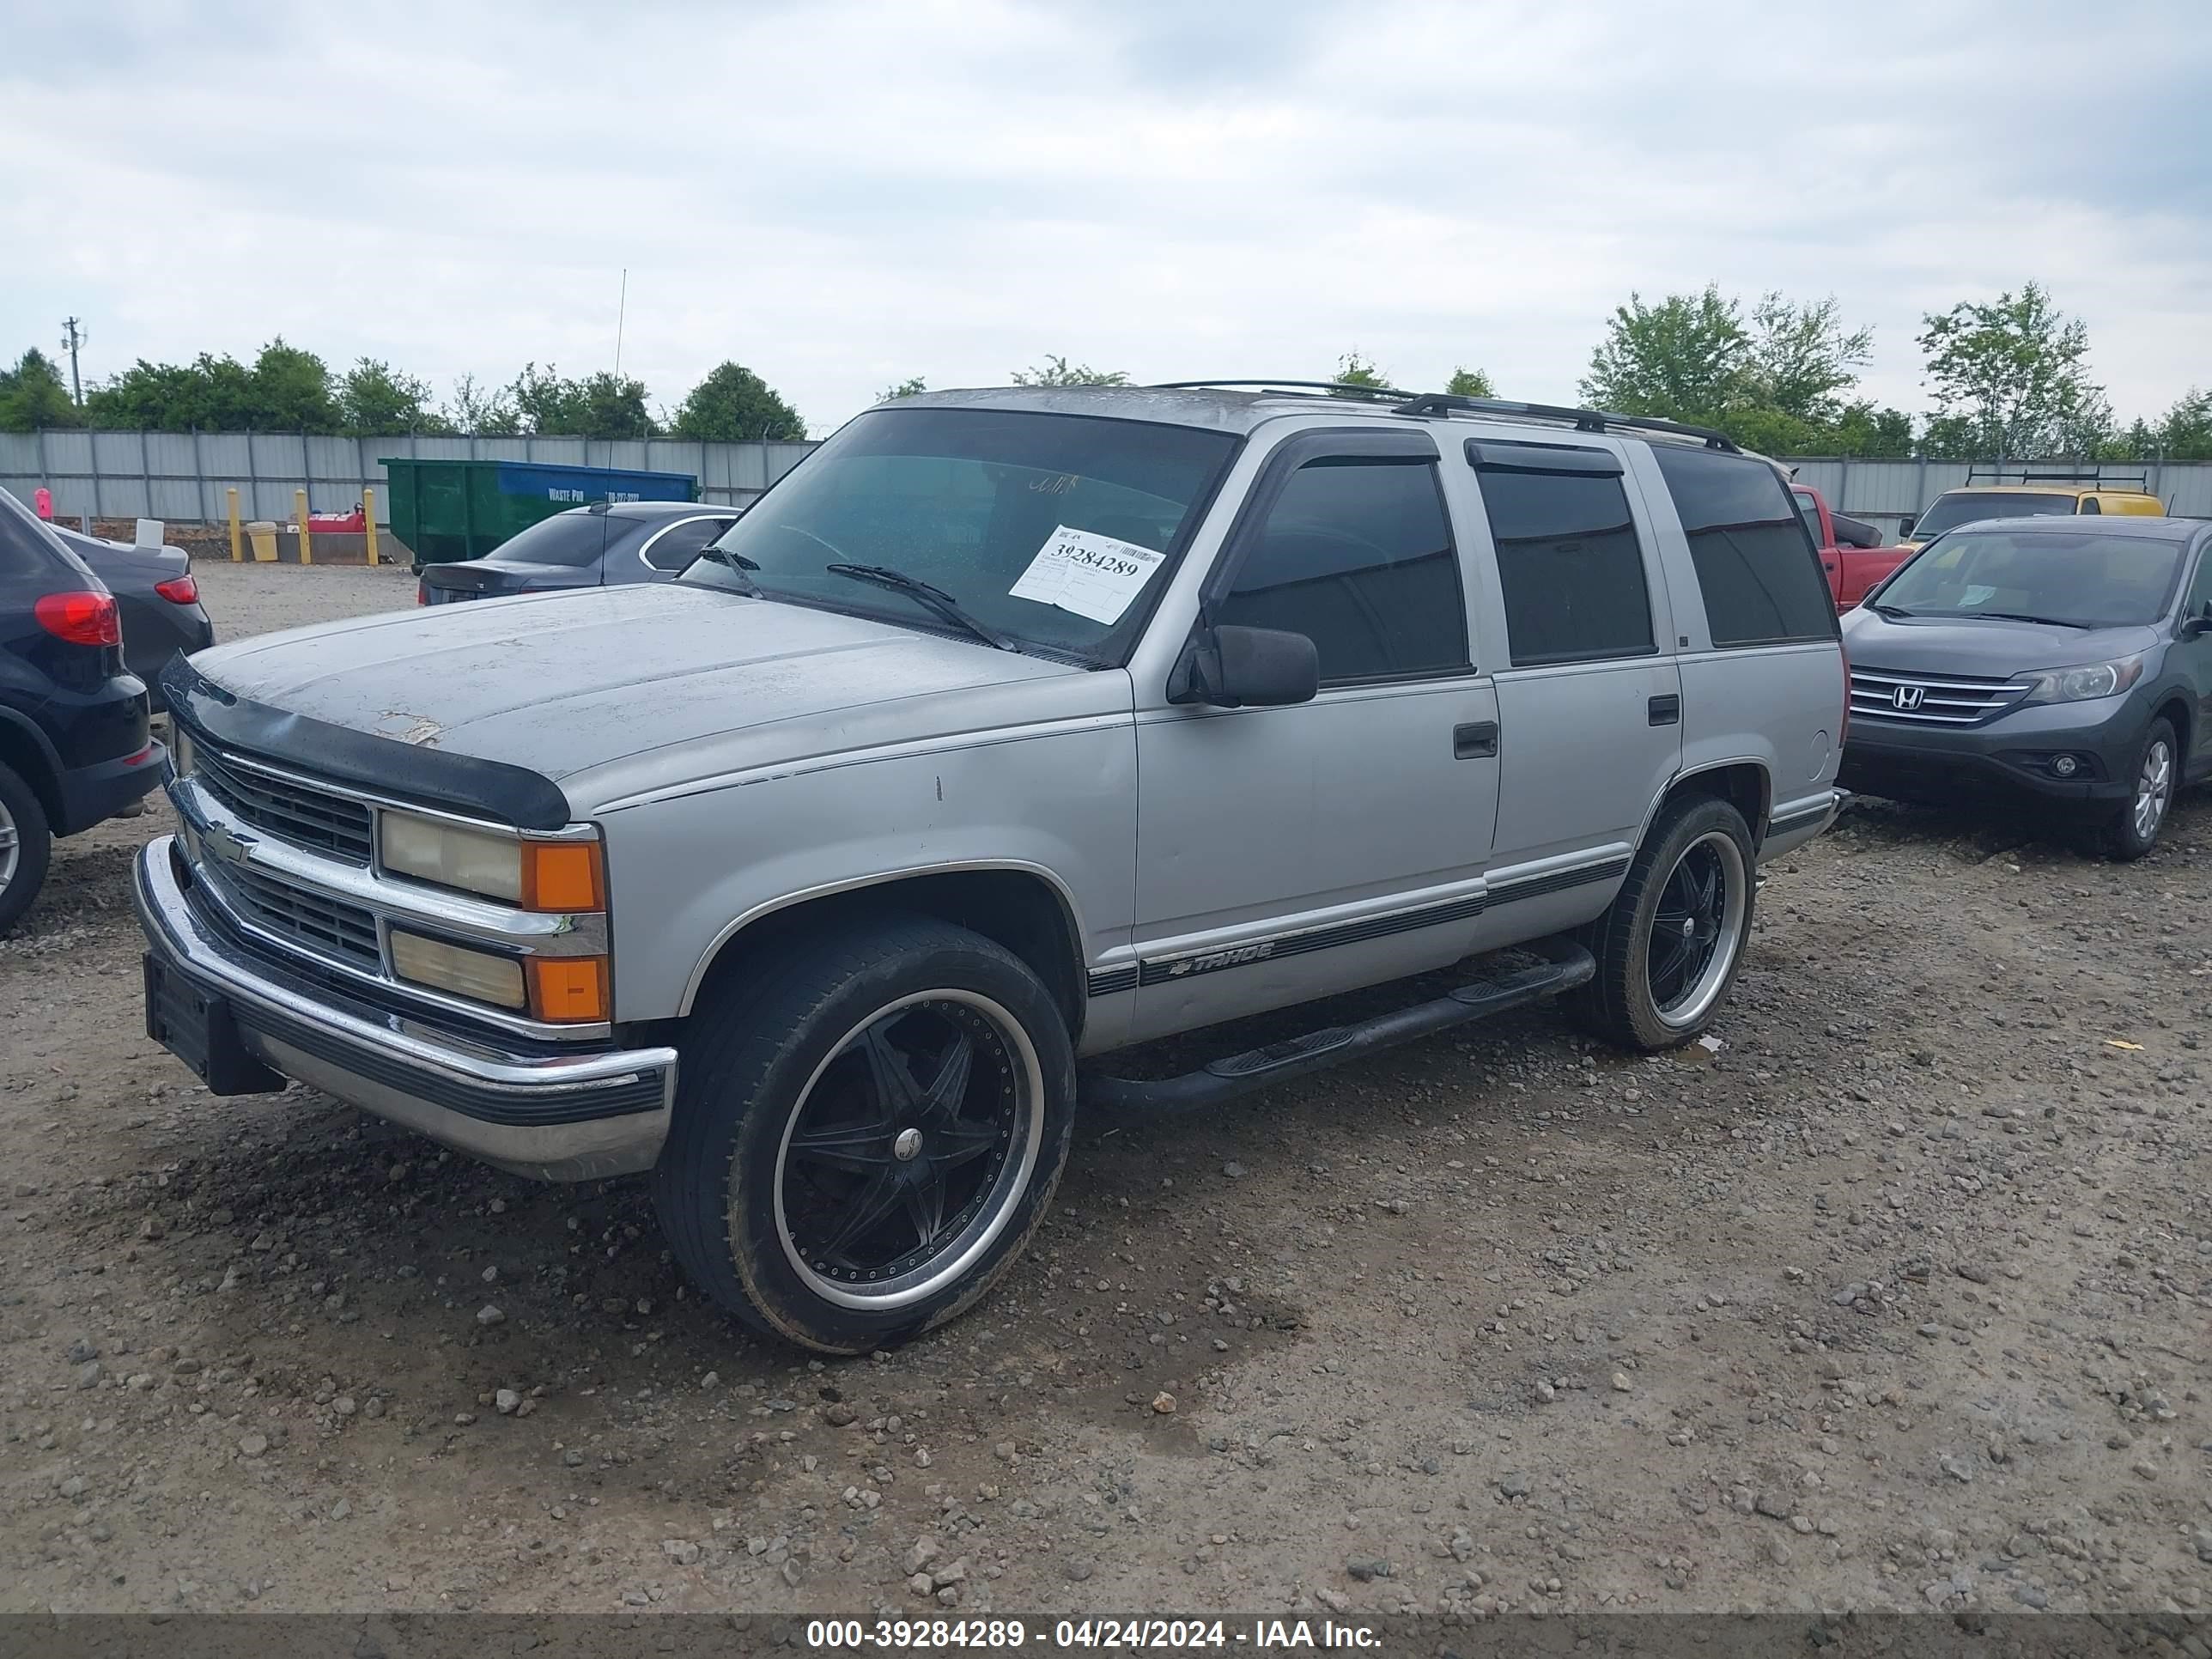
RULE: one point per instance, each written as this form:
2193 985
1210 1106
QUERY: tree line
286 389
2009 378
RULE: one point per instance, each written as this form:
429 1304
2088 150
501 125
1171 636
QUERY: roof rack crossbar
1583 420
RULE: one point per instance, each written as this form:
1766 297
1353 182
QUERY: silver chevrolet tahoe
1011 730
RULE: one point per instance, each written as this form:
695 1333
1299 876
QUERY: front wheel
2134 829
866 1134
1668 948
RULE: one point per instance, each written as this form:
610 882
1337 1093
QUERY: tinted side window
1357 555
2199 602
1570 567
1762 580
2090 504
675 547
27 545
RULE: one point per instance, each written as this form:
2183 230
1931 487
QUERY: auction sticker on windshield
1090 575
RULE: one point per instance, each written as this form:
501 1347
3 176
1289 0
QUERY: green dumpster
448 510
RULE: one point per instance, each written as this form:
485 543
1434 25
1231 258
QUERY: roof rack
2094 473
1446 403
1333 388
1584 420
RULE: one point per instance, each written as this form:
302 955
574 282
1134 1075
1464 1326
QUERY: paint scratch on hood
418 729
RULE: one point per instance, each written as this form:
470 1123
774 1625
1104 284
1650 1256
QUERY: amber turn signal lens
563 875
568 987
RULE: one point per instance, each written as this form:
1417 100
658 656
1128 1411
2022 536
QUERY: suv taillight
79 618
179 590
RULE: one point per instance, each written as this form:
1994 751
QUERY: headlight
535 875
476 974
2090 680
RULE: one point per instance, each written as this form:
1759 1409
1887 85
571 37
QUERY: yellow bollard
307 544
237 552
368 520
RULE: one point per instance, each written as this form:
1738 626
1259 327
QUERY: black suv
74 747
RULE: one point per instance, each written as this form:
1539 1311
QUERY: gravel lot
1902 1299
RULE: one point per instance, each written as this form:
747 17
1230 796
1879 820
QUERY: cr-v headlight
2090 680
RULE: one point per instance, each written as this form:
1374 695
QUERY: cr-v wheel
867 1135
2134 829
1668 948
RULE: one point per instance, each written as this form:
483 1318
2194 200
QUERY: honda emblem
1906 698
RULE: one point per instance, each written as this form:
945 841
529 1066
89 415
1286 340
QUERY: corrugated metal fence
1884 491
181 475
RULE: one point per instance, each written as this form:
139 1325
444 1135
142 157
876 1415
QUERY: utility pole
72 337
621 310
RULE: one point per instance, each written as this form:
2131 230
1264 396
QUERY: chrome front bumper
550 1116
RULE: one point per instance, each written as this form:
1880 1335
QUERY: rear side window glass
1357 555
576 539
1809 511
27 545
674 547
1570 567
1762 579
2091 504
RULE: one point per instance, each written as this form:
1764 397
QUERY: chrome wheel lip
11 846
1697 1001
997 1210
2153 790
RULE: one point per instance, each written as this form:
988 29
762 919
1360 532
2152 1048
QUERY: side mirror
1232 667
2197 626
1905 525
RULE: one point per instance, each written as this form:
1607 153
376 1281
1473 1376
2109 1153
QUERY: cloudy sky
841 196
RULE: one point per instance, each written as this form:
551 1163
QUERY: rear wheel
26 847
2134 829
866 1135
1668 948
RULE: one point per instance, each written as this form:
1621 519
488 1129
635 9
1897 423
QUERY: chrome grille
296 812
317 924
1937 698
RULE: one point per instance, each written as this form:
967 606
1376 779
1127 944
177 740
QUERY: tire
853 1044
1698 841
27 846
2134 827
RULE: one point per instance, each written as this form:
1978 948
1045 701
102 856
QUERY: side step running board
1568 965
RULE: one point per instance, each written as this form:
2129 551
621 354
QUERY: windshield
1958 507
2081 578
1047 529
574 537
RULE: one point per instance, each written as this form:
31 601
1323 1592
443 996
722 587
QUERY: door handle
1477 740
1664 711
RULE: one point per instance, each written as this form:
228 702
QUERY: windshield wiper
2016 616
933 599
736 562
1891 610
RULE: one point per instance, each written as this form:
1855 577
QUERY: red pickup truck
1852 551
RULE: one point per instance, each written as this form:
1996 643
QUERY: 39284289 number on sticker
1090 575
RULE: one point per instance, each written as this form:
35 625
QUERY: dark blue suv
74 745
